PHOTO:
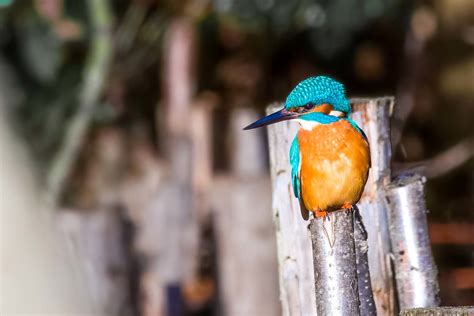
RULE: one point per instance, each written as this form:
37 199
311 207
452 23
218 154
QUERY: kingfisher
330 155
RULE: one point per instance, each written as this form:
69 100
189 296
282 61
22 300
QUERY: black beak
282 115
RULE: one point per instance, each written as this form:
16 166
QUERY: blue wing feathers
295 166
295 176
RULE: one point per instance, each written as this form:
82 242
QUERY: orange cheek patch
322 108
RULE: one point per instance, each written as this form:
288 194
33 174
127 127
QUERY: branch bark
416 272
366 297
407 87
95 73
373 115
334 261
443 162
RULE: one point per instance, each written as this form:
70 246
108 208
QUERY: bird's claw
347 206
319 214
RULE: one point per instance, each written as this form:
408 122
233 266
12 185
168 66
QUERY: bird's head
317 99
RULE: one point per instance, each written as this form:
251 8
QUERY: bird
330 154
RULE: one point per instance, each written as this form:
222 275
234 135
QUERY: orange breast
335 162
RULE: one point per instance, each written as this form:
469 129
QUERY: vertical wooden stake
172 213
416 272
335 268
293 239
366 298
245 233
373 116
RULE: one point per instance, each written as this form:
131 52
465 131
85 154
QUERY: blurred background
127 184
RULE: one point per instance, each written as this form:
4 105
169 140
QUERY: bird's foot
318 213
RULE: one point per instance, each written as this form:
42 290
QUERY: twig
128 30
414 47
94 77
443 162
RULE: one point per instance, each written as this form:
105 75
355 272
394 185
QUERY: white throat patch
337 114
307 125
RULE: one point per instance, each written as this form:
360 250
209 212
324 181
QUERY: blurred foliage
330 25
250 52
48 65
47 42
5 3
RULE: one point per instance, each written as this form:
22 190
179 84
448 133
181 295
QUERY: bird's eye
309 106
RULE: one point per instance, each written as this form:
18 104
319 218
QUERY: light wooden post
293 237
245 232
173 210
335 267
294 242
96 239
416 272
373 115
366 297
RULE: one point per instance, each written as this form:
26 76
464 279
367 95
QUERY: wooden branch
95 73
373 115
201 138
442 163
293 239
178 75
334 261
416 272
412 69
127 31
450 159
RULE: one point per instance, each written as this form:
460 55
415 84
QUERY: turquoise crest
319 90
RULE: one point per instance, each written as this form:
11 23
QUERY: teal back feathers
295 167
319 90
295 157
